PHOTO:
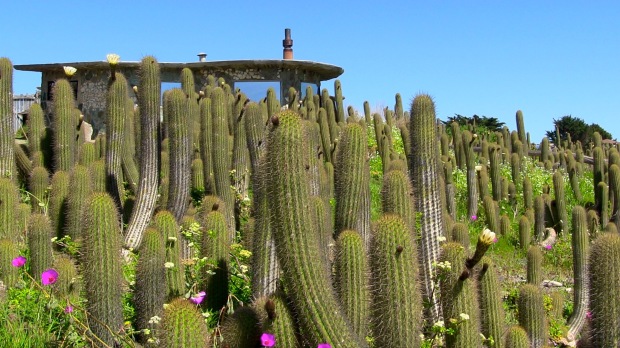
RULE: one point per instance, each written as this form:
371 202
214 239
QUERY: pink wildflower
548 246
267 340
324 345
18 261
49 276
588 315
197 299
474 218
69 309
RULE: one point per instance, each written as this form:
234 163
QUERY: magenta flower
267 340
548 246
197 299
49 276
18 261
324 345
588 315
69 309
474 218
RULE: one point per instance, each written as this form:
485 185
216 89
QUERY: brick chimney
287 43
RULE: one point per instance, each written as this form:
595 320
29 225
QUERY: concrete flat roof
326 71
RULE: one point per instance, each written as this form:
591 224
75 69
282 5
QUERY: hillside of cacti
200 218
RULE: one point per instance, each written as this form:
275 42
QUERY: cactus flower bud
113 59
69 70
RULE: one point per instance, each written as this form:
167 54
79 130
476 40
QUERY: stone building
91 79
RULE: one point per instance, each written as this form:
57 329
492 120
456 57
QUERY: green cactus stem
64 126
146 196
424 170
580 245
7 163
532 314
39 243
116 106
182 325
102 266
297 244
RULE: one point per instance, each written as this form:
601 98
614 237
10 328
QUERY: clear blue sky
491 58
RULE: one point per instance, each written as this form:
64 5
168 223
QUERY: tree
577 128
479 124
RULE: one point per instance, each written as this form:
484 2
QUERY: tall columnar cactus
539 219
603 192
505 228
525 232
459 298
515 166
491 306
7 162
367 113
424 170
182 325
393 258
580 244
532 314
9 250
255 134
166 223
339 104
326 140
472 183
180 153
197 182
598 175
220 147
460 234
149 105
528 194
348 176
396 197
97 175
545 153
496 176
242 328
150 288
38 184
517 338
483 181
87 154
116 107
351 280
614 189
574 182
275 317
131 173
39 244
240 166
102 265
490 213
604 277
57 210
534 265
215 246
69 284
64 126
205 144
308 284
560 200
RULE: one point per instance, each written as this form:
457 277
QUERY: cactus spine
296 240
180 153
116 104
348 172
424 174
396 197
150 293
580 244
560 200
58 202
394 256
7 162
517 338
532 314
39 182
182 325
525 232
149 106
39 235
103 274
166 223
491 309
275 317
351 280
64 126
604 277
534 265
215 246
459 296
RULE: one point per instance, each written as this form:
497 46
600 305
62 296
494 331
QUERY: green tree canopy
577 128
479 124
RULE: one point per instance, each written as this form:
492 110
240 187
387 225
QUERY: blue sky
491 58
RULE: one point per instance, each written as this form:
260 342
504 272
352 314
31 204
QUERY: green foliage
481 125
578 129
